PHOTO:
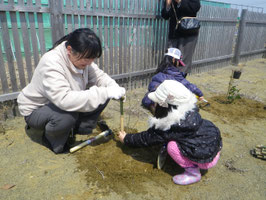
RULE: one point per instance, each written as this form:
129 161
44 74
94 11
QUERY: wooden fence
133 35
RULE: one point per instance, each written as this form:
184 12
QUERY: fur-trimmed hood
173 117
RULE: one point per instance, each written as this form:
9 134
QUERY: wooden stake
122 113
230 83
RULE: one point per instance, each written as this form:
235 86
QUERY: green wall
47 25
218 4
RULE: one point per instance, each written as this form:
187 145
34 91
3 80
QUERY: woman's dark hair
84 42
166 62
161 112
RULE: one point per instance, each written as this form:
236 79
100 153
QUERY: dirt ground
108 170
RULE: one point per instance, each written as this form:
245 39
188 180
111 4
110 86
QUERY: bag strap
177 21
188 18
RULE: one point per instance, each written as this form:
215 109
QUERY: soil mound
240 110
113 167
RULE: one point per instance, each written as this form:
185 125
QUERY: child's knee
172 147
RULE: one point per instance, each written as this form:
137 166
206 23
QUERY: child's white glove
116 92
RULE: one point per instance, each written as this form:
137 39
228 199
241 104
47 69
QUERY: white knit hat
171 92
175 53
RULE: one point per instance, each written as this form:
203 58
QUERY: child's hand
152 108
121 135
201 98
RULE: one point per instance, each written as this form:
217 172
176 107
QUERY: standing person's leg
56 124
172 43
187 47
87 121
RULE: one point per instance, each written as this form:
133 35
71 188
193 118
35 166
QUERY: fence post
57 20
240 36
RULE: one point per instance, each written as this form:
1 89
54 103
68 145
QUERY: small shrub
233 94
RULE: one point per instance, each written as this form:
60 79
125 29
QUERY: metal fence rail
251 36
216 39
255 26
133 35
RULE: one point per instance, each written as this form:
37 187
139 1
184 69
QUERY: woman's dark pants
57 124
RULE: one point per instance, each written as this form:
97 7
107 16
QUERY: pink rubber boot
191 175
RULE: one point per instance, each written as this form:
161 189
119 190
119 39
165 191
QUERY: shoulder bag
186 25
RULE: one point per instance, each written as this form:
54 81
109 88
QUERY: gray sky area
257 3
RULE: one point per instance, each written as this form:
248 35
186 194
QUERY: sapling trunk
122 113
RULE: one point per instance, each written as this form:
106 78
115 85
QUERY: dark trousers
186 45
57 124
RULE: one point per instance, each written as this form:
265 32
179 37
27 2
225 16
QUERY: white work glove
115 92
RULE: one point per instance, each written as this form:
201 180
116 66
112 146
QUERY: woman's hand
121 135
168 2
115 92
